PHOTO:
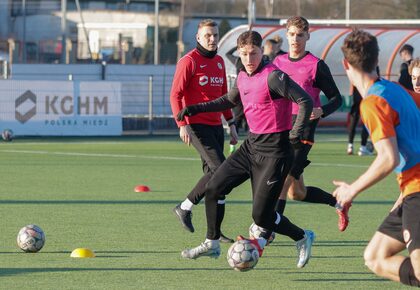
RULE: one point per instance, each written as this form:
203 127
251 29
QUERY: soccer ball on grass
242 255
31 239
7 135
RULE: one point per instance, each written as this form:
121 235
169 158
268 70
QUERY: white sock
213 243
363 147
187 205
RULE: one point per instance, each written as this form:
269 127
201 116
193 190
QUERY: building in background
116 31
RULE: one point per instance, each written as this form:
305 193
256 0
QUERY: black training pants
208 141
267 176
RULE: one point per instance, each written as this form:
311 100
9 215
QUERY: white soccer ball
256 231
31 238
7 135
242 255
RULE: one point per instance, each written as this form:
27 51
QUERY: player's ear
345 64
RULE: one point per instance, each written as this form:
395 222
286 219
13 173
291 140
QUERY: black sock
280 206
286 228
317 195
220 216
406 273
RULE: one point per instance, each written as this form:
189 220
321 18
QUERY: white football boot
304 247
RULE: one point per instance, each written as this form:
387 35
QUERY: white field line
100 155
152 157
335 140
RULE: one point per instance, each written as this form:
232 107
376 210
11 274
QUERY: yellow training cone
82 253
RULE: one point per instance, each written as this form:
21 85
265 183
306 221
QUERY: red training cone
141 188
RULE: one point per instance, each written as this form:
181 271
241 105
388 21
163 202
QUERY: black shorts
403 223
301 155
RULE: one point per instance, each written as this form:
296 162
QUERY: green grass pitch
80 192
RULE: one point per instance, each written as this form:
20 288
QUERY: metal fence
145 89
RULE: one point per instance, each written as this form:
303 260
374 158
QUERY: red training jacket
199 79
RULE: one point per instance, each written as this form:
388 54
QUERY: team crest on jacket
203 80
219 65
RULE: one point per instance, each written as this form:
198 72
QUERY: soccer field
80 192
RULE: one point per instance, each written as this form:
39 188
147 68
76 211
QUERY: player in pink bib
314 76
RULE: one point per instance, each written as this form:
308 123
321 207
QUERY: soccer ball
31 238
256 231
242 255
7 135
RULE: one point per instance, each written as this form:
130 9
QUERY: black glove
186 111
296 143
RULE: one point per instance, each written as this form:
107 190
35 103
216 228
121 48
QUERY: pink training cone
141 188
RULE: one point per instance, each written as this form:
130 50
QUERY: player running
265 156
200 76
314 76
392 118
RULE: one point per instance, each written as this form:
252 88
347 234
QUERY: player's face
297 39
208 37
415 79
251 57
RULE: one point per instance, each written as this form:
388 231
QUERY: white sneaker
350 149
304 247
208 249
364 151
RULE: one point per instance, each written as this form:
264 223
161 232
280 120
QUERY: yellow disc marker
82 253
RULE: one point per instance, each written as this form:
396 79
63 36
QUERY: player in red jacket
200 76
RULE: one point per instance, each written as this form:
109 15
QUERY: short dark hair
361 50
249 37
207 22
298 21
407 47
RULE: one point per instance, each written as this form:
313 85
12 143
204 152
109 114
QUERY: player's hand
296 143
186 111
316 113
233 135
184 135
343 193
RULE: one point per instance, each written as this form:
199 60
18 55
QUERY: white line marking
152 157
100 155
134 142
339 165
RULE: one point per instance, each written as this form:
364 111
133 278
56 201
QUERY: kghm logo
203 80
26 106
27 97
